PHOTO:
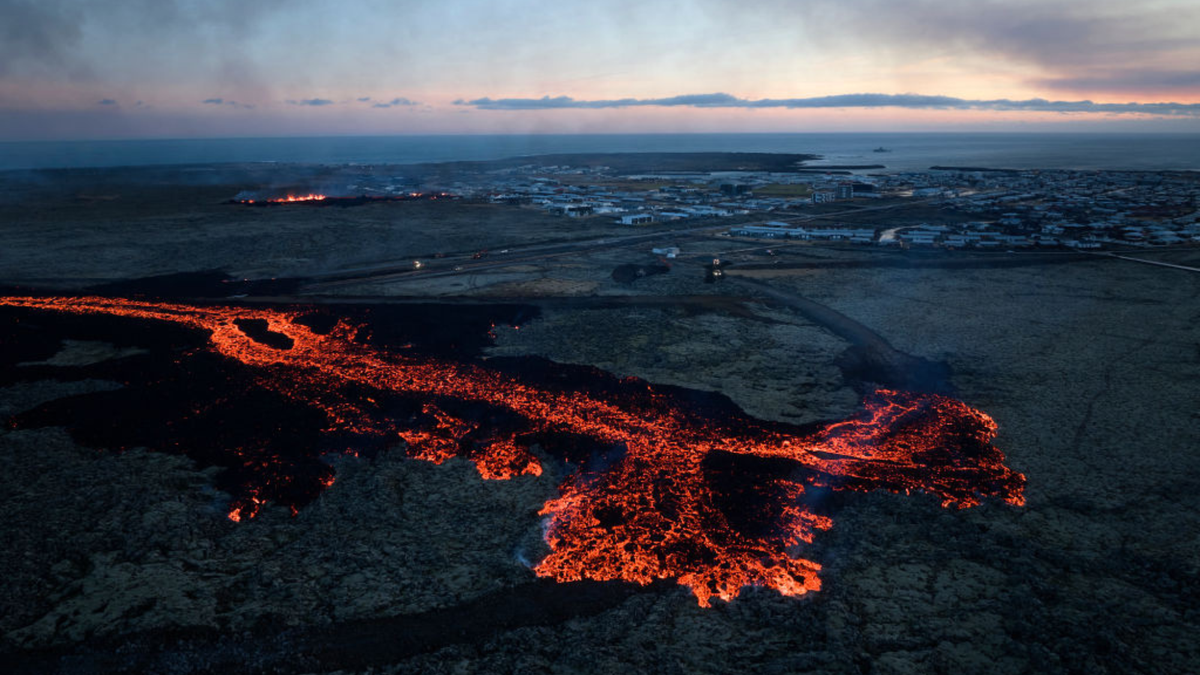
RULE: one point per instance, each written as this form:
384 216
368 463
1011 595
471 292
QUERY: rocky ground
85 227
1088 369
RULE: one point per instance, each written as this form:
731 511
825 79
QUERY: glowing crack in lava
650 508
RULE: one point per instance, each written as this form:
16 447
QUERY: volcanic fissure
663 486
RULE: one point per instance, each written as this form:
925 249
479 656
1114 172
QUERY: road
1146 262
453 265
462 264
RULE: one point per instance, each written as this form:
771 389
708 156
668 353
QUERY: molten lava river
659 489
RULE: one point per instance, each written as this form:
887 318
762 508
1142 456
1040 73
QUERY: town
965 208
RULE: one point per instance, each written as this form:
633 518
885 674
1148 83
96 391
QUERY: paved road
516 256
1146 262
396 271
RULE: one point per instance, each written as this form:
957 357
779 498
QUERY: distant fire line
293 198
346 200
653 512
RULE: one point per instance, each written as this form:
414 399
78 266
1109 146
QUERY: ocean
908 151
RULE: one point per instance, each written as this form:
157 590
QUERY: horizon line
464 134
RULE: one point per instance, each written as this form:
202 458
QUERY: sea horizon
905 150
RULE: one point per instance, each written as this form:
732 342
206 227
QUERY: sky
95 69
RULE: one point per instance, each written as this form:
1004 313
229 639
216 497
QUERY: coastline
909 150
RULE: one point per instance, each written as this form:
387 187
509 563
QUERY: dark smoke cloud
917 101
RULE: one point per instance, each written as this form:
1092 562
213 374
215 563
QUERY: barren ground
1088 368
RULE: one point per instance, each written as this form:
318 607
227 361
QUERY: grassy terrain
621 184
783 190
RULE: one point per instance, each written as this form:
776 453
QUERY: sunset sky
77 69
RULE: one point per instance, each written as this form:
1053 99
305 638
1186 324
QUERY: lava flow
317 199
661 491
311 197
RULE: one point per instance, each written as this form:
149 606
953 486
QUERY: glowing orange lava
652 512
311 197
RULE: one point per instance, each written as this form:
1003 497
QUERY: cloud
1093 47
401 101
1126 81
916 101
364 99
1058 35
37 33
221 101
106 101
315 102
57 38
546 102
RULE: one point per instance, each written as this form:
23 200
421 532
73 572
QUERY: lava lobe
662 489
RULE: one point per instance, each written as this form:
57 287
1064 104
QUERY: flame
652 513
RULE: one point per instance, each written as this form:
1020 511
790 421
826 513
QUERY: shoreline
1175 152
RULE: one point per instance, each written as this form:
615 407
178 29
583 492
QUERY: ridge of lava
671 501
